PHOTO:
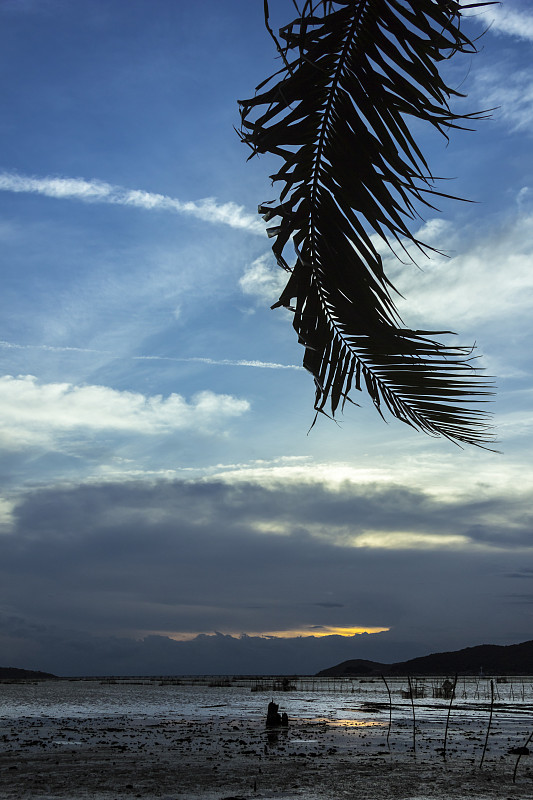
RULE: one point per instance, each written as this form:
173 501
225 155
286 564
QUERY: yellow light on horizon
331 630
317 631
322 630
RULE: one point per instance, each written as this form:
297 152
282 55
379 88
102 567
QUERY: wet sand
219 758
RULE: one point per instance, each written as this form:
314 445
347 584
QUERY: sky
164 507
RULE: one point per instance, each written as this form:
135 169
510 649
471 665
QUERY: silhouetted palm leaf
354 71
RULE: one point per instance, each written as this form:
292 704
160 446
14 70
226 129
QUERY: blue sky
158 480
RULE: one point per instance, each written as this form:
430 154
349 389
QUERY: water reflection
356 723
346 723
274 734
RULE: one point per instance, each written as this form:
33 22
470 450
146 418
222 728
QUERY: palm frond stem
355 72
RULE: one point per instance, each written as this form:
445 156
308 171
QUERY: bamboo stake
490 721
413 707
448 718
390 710
520 754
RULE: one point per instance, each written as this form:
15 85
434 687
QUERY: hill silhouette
485 659
15 674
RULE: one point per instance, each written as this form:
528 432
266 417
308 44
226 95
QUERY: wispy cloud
263 279
221 362
487 279
506 20
50 348
510 93
34 413
94 191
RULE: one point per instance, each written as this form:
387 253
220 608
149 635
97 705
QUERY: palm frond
355 72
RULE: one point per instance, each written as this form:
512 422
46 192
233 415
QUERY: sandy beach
219 758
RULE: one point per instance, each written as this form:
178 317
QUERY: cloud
263 279
434 472
220 362
193 557
6 518
505 19
33 413
510 93
306 630
94 191
74 652
487 277
52 348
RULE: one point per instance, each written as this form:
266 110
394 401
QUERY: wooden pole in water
390 710
411 692
448 717
490 721
523 752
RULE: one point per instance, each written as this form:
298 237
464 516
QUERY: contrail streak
222 362
94 191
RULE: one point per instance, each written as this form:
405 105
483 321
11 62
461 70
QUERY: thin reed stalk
490 722
390 710
520 754
411 692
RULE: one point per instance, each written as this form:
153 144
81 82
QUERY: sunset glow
316 631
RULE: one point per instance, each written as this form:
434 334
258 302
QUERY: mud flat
106 758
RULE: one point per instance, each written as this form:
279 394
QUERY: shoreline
120 757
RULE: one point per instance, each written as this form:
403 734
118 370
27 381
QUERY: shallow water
347 701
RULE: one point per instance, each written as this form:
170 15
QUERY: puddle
67 744
357 723
303 741
349 723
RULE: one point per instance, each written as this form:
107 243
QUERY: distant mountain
14 674
486 659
